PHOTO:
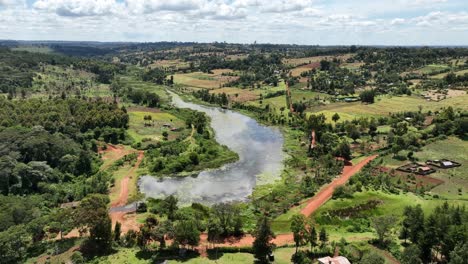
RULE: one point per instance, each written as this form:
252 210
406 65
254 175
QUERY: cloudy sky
323 22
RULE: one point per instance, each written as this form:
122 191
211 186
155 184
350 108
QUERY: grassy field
390 204
455 179
307 60
134 256
138 131
176 64
385 105
135 83
204 80
442 75
34 49
428 69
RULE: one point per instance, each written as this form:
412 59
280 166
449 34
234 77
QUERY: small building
334 260
424 170
443 163
166 125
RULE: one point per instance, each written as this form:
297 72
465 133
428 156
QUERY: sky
311 22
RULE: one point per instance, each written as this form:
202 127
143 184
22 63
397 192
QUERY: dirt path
127 220
312 205
326 193
123 196
245 241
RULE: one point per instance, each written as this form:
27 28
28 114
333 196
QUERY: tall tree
323 236
298 229
93 214
262 245
383 225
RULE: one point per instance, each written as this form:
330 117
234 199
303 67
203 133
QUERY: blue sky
335 22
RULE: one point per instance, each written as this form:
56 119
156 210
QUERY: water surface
260 161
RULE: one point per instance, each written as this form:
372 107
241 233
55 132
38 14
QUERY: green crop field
139 131
387 104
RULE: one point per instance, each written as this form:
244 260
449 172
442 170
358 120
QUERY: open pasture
455 184
431 68
204 80
388 104
153 130
173 64
307 60
135 83
347 217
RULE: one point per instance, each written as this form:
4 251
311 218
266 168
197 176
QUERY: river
260 161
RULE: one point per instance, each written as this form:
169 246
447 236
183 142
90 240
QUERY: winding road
128 221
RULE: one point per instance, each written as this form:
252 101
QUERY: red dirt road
128 221
123 196
326 193
312 205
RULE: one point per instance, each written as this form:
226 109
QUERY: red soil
326 193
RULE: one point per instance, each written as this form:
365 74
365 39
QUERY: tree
262 245
93 214
117 231
187 233
354 134
343 150
229 218
413 222
323 236
336 117
460 254
383 225
372 258
170 206
215 230
298 229
411 255
311 235
368 96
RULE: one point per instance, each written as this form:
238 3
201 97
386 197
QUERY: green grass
124 256
428 69
226 258
282 223
37 49
386 104
138 131
134 83
392 204
454 149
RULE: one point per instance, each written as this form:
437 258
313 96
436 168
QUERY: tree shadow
159 256
214 254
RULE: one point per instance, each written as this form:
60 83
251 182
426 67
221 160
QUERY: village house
334 260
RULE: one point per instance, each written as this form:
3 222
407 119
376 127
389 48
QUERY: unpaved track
312 205
123 196
327 192
128 221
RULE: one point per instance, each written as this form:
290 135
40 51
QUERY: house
424 170
334 260
443 163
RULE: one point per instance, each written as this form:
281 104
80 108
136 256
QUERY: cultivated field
204 80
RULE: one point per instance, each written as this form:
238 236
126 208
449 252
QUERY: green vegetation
334 105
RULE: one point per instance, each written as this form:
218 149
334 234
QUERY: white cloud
296 21
281 6
78 7
150 6
397 21
12 3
